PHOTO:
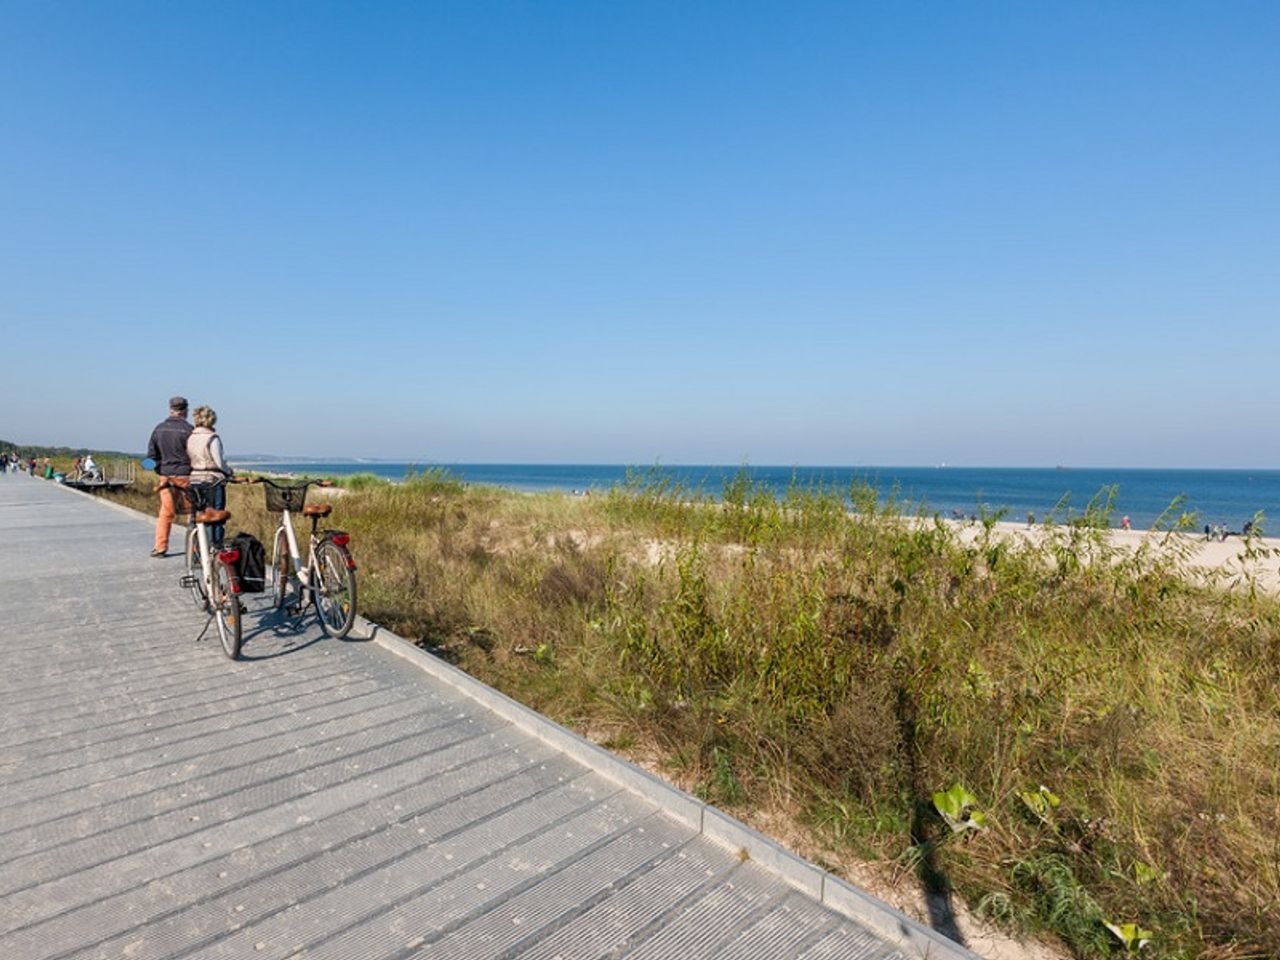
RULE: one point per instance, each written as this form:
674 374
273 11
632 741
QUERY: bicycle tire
195 572
227 609
335 589
280 562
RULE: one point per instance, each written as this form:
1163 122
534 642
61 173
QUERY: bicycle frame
295 553
313 541
224 555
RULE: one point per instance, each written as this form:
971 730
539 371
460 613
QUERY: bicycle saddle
213 516
317 510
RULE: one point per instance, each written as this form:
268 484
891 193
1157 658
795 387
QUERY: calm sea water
1217 496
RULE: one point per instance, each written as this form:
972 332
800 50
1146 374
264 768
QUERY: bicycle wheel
279 572
195 572
335 589
227 609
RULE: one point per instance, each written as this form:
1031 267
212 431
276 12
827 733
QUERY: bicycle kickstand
205 629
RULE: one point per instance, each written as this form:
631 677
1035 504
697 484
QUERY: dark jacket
168 447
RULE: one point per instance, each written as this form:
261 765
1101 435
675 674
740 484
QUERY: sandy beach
1221 562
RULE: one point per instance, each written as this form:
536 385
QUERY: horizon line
410 461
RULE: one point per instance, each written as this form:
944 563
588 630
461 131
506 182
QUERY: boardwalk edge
912 937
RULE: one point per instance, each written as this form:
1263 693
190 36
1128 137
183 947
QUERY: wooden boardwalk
319 799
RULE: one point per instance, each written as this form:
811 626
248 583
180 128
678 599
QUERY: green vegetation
1079 742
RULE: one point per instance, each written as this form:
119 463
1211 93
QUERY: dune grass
1113 729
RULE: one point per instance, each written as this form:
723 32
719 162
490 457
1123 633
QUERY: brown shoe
158 553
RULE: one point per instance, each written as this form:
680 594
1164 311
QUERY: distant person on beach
1247 530
204 450
1124 523
1031 520
168 448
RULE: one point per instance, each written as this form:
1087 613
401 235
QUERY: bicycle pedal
187 581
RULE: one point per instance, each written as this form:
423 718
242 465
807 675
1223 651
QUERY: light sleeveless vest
204 467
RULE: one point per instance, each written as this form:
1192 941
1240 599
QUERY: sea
1225 497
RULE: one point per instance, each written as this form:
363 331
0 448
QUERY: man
168 448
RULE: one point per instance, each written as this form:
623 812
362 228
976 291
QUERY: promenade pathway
318 799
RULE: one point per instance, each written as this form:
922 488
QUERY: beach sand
1220 562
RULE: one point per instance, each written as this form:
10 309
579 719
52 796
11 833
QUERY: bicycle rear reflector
341 539
229 556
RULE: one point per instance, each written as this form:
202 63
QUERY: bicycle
329 576
211 576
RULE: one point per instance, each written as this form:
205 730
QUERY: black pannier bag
251 568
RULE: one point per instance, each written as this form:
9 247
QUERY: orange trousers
168 511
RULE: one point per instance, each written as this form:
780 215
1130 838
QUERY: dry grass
777 652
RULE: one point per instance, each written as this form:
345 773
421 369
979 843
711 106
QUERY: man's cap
177 403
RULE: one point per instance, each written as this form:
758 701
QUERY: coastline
1226 497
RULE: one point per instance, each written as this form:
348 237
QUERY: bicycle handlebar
282 484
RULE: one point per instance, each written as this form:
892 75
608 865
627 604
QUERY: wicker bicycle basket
285 496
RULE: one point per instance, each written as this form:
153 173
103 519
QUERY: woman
208 465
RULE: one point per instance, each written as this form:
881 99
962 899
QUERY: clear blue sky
795 233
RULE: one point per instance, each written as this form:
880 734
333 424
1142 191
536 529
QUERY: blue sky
795 233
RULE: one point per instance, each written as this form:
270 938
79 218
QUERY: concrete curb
911 936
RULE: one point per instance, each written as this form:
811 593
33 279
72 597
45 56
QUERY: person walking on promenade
204 450
168 448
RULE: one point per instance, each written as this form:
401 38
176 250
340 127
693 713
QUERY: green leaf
1131 935
958 807
1041 803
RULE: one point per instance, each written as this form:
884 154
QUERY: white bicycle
328 576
